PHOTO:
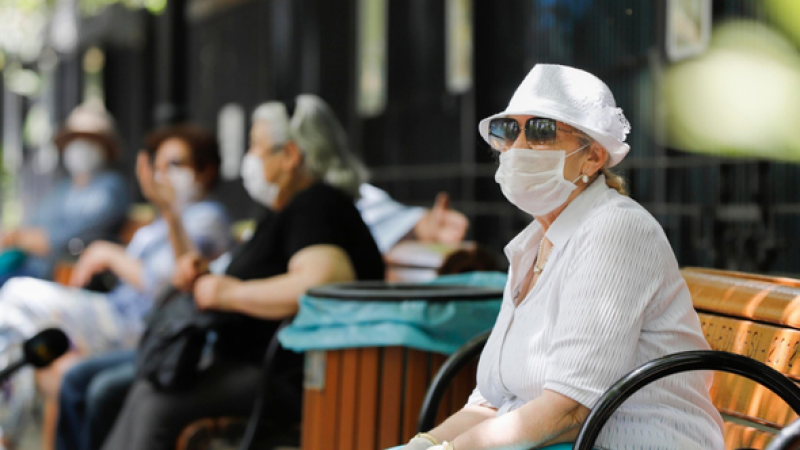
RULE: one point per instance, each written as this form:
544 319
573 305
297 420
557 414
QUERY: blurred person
185 164
303 171
91 205
392 222
594 289
95 390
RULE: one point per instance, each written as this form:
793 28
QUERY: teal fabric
437 327
11 260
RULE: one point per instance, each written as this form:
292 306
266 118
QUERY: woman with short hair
176 174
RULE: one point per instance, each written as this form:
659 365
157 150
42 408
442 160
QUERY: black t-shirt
318 215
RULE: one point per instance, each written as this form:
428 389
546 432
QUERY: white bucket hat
574 97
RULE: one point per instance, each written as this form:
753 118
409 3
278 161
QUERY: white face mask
533 180
255 182
187 189
83 157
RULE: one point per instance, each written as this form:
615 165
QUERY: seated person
93 392
391 222
303 171
593 292
186 161
91 205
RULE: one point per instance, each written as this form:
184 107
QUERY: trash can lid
393 292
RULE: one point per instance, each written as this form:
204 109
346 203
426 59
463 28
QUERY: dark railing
788 438
448 371
677 363
255 428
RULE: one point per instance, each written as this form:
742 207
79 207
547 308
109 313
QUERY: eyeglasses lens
502 133
540 131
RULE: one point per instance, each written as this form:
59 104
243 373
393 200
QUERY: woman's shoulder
621 217
110 178
322 196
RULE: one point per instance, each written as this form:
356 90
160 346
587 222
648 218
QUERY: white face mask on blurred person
255 182
533 180
83 157
187 189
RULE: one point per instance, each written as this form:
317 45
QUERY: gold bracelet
428 437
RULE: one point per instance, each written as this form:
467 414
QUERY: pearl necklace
537 269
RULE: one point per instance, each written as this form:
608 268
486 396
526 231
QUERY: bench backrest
758 317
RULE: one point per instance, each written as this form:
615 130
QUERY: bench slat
765 299
774 346
741 436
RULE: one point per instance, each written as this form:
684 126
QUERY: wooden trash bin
370 398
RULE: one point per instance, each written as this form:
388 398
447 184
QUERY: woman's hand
442 224
418 443
211 290
188 268
95 259
160 193
33 240
9 238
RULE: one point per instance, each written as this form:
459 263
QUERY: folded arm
31 240
276 297
548 419
101 256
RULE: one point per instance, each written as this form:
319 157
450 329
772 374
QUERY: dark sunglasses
503 132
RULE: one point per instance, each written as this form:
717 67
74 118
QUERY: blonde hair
615 181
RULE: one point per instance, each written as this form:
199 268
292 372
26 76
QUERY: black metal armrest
685 362
262 396
450 368
788 438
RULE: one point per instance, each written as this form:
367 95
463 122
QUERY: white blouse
610 298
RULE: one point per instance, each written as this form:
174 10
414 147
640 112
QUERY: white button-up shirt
610 298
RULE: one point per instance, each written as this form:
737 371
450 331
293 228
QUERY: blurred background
712 91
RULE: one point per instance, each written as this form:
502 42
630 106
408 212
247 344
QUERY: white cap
572 96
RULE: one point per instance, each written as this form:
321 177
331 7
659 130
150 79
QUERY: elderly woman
185 161
594 289
301 170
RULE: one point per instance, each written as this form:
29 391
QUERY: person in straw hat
91 205
593 290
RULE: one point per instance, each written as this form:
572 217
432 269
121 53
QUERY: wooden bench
754 316
758 317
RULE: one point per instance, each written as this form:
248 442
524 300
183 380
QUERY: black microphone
39 351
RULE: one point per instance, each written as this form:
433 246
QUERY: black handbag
172 345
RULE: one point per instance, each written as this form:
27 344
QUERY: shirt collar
563 227
567 222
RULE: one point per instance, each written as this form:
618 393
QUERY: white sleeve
477 399
603 302
388 220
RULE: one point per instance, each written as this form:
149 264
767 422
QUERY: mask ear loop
585 176
577 150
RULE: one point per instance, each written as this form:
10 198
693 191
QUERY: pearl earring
585 178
